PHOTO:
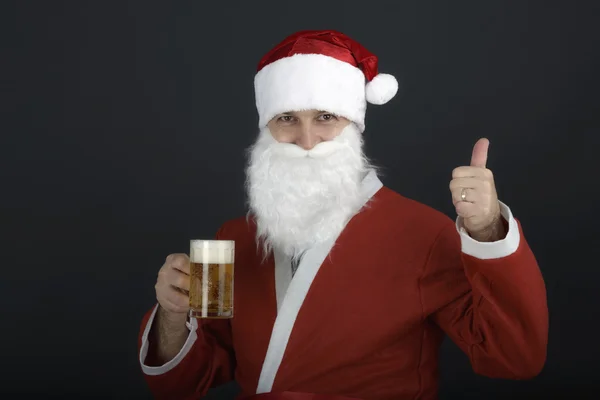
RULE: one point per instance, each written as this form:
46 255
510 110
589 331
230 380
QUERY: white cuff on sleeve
491 250
192 326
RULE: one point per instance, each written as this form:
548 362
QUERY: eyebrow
328 112
295 113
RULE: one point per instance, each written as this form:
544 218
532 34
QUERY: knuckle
179 281
178 260
455 183
185 282
162 275
180 257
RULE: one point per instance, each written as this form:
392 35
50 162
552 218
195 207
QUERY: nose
306 138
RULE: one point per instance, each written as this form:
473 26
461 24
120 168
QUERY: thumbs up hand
475 199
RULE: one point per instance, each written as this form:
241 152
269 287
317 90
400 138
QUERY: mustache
321 150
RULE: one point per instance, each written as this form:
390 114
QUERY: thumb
480 153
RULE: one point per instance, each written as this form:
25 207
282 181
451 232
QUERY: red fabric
295 396
327 42
374 318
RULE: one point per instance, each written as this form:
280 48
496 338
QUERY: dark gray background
123 137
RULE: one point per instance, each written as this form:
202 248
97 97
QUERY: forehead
305 113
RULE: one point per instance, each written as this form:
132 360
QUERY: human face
306 128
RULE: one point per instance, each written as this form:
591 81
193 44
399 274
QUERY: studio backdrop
125 126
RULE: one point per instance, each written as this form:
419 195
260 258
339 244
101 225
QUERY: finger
470 187
175 298
472 172
466 210
178 279
180 262
471 183
457 196
164 297
168 276
480 153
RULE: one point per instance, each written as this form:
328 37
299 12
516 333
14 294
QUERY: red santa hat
324 70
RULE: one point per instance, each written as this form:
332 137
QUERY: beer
211 278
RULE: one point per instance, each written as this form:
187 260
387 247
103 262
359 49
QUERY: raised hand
474 196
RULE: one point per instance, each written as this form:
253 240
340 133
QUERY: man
344 288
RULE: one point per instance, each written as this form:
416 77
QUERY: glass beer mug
211 278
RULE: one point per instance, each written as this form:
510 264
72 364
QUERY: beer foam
212 251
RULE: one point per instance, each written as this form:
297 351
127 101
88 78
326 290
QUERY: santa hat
323 70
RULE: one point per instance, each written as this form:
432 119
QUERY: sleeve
490 299
492 250
206 359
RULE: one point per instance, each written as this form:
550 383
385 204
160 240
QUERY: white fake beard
301 198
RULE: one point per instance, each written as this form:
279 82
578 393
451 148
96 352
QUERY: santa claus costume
350 296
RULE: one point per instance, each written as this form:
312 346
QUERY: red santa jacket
364 315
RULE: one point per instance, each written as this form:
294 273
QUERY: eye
327 117
286 119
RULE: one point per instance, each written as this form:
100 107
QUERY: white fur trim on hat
310 81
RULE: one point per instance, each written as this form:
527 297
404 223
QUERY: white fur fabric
301 198
310 81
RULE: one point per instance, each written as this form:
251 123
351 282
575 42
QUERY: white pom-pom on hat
381 89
